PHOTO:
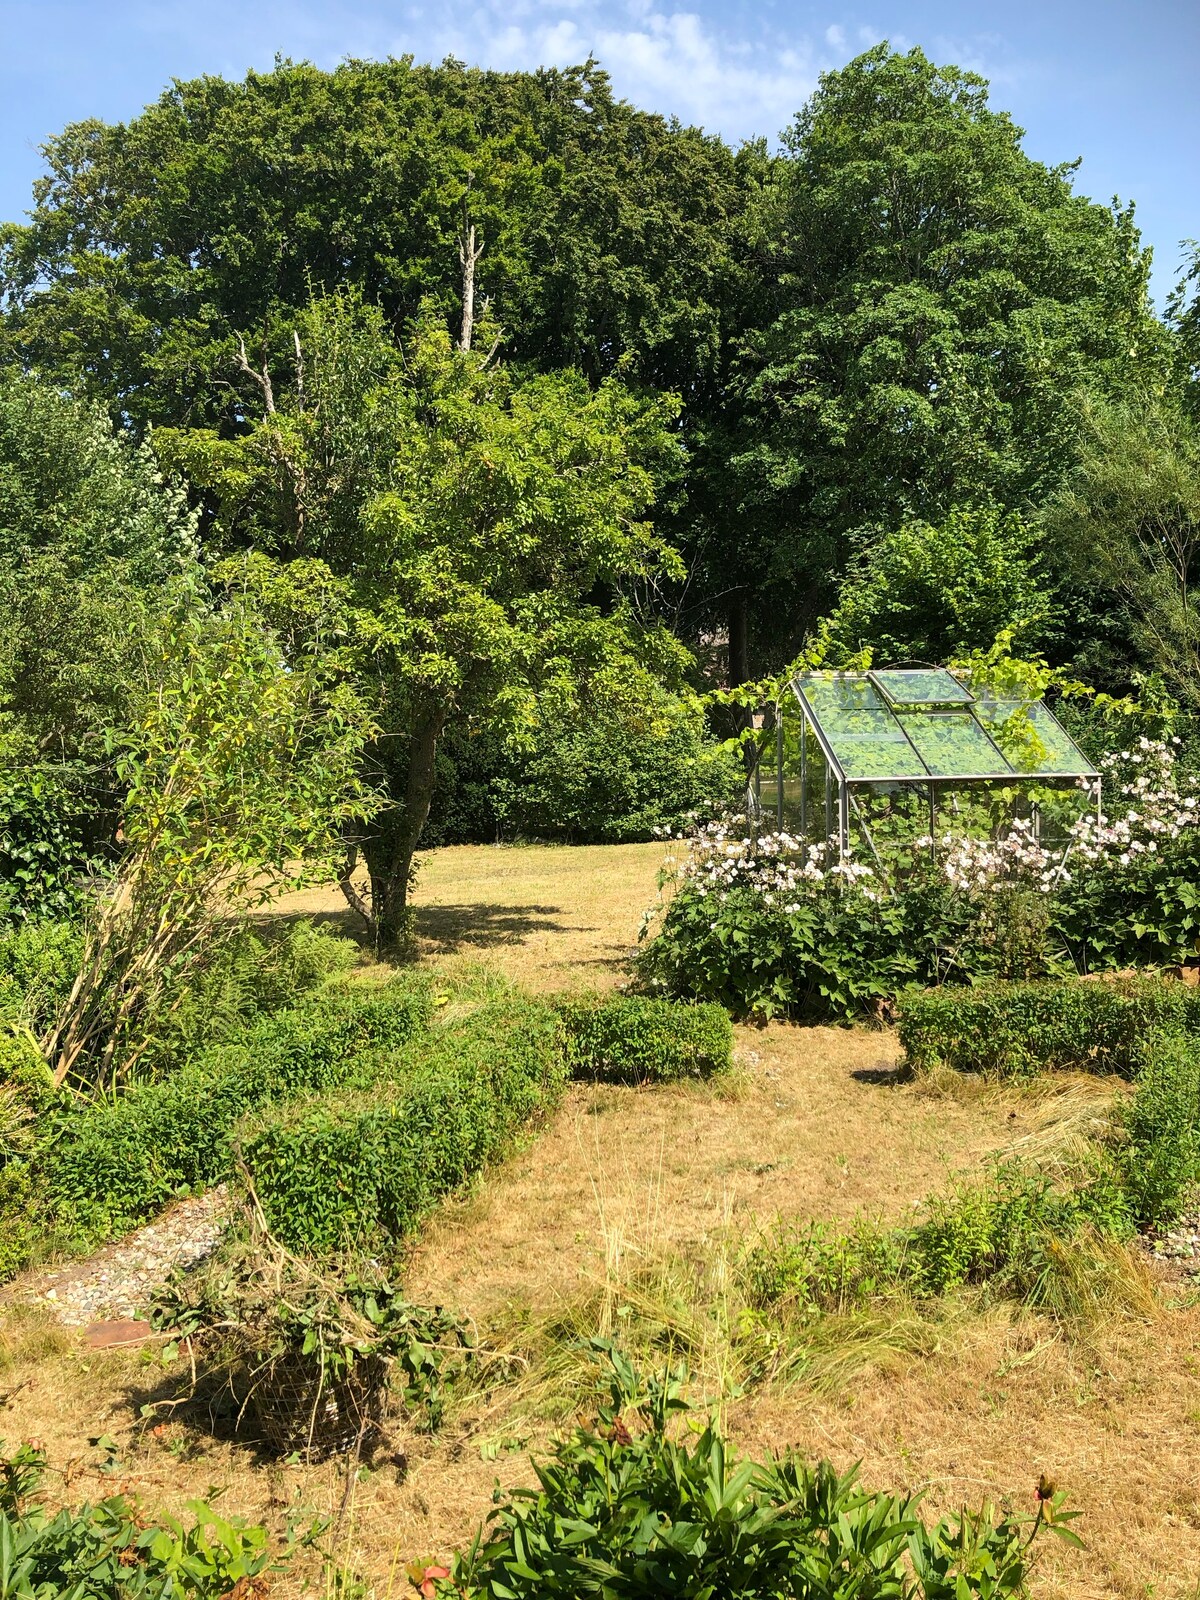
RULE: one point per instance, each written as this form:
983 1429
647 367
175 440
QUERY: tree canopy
931 299
445 524
225 205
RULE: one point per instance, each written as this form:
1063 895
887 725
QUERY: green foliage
607 229
38 963
443 524
1062 1025
1007 1233
115 1163
1160 1163
634 1515
635 1040
252 1309
601 778
618 750
826 953
45 856
1002 1233
362 1168
825 1268
933 593
90 536
1126 531
259 970
239 764
931 298
111 1551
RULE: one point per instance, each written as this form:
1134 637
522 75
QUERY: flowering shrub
766 925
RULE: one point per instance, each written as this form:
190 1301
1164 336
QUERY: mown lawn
635 1207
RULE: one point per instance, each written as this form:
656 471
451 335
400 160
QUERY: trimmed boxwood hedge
1080 1024
364 1166
635 1040
113 1165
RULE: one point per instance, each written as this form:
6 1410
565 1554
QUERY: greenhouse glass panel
1058 755
866 739
921 686
953 745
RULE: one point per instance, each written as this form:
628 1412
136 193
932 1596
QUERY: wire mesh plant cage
911 751
300 1410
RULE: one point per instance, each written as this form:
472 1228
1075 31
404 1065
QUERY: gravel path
116 1282
1180 1242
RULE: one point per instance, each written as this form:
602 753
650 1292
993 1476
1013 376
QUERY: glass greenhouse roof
920 686
910 725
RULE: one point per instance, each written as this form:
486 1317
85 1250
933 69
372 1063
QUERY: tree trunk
739 639
389 850
469 254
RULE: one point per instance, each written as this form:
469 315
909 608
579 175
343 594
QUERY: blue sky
1112 81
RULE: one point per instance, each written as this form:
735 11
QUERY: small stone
104 1335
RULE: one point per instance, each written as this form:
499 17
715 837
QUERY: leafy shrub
636 1515
826 1268
604 781
45 855
365 1166
828 956
1160 1163
38 963
257 971
1002 1232
313 1352
636 1040
110 1551
1022 1028
762 924
605 773
114 1164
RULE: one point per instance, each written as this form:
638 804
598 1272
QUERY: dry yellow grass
818 1123
551 916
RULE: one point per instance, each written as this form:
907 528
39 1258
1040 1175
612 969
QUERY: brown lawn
817 1124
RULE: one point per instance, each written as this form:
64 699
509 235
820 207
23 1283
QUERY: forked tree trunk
388 850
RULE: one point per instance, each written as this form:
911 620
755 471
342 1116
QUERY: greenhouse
906 736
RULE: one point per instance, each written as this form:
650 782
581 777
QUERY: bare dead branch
262 377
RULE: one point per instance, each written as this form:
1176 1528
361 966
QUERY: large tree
931 298
451 530
1125 528
225 205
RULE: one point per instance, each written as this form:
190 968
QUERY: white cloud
740 75
669 60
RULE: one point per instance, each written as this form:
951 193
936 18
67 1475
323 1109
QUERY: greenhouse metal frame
914 728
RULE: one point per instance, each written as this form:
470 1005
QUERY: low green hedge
1089 1025
1159 1162
634 1040
113 1165
364 1166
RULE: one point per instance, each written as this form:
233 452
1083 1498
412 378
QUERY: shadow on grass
344 921
483 927
209 1410
887 1075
